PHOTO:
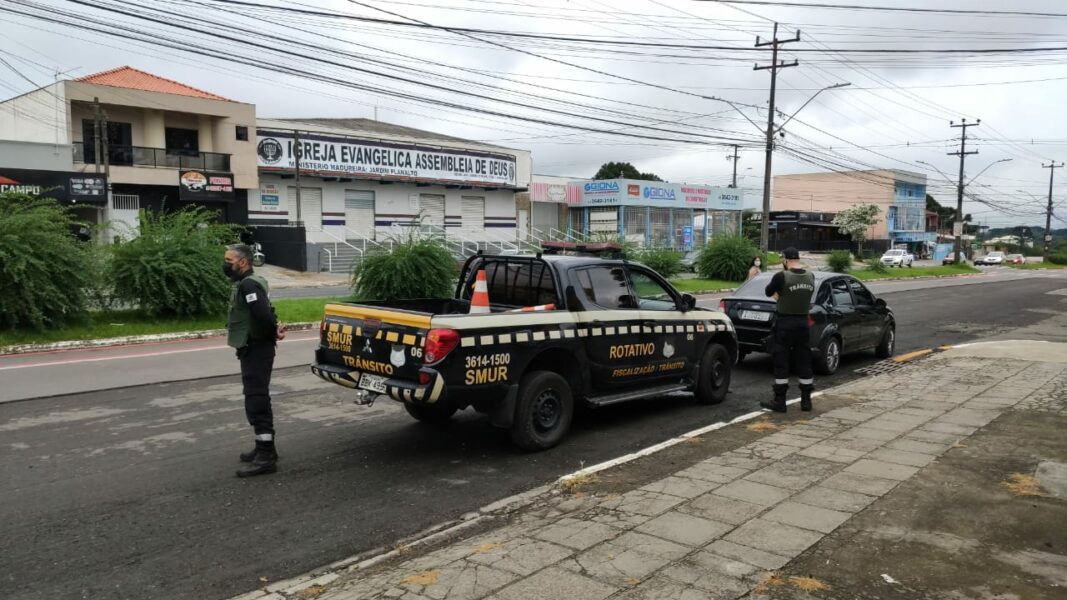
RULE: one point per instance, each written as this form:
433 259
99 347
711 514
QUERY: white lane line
129 356
671 442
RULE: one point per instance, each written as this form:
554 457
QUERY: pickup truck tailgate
379 343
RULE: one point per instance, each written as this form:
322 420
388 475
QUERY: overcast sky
896 111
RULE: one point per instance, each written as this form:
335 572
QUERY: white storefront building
362 181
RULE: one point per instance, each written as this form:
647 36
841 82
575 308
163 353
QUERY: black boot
247 457
264 462
778 404
805 397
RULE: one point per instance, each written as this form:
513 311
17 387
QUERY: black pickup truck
618 332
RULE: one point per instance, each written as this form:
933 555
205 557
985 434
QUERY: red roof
135 79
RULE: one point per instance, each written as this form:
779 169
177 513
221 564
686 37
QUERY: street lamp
771 132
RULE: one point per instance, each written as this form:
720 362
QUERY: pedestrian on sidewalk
755 268
793 288
253 331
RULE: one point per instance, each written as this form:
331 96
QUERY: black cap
791 253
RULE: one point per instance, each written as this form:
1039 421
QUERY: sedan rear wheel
829 356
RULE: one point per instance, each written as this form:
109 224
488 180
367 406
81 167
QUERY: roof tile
135 79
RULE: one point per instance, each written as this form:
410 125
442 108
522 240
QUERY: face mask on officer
232 269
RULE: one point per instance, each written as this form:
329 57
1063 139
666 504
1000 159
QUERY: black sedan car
845 317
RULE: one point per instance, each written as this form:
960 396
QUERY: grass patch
905 273
700 286
132 322
1038 266
1020 484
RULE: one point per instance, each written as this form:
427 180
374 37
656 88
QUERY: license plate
373 383
753 315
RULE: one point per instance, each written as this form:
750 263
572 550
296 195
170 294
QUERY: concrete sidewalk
740 522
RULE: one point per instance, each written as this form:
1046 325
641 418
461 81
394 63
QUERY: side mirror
879 303
689 302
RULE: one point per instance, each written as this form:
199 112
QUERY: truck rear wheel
544 411
430 413
715 370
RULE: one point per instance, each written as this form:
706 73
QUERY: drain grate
881 367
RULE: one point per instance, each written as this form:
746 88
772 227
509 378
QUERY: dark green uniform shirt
795 288
251 317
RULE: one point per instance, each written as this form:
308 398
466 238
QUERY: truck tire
544 411
430 413
714 377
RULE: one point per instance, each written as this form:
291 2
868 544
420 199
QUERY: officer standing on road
253 330
793 288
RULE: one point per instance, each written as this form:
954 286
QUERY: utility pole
734 157
774 42
297 151
1048 214
96 136
959 187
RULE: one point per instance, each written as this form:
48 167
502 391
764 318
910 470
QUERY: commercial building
362 182
652 213
163 144
541 211
900 195
804 230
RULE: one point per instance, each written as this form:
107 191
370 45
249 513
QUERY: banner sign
336 156
205 186
626 192
60 185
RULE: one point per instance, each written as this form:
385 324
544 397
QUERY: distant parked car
993 258
1015 259
951 259
898 258
845 317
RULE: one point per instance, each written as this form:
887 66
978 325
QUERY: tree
855 222
623 170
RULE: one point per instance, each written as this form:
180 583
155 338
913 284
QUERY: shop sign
687 237
205 186
269 197
60 185
326 155
658 194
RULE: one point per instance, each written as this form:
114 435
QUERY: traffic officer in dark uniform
253 330
793 288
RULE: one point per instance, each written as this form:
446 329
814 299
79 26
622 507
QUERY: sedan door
844 314
868 316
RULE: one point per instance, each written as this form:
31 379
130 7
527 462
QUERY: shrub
174 267
875 265
773 258
100 291
418 266
667 263
727 258
840 261
1058 258
43 270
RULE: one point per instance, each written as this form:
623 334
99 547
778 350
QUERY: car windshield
894 253
996 254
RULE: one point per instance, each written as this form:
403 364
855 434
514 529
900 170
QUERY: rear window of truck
516 283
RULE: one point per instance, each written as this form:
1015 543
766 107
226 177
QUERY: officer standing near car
253 331
790 340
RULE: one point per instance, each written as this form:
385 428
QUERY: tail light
722 305
424 378
811 321
439 342
322 325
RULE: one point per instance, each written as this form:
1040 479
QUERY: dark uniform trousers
791 342
257 362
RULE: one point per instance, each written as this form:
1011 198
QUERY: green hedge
44 269
726 257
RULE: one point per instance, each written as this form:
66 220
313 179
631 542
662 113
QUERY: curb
130 340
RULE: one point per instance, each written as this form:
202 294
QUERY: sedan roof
761 281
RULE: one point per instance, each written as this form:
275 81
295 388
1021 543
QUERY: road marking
913 355
142 355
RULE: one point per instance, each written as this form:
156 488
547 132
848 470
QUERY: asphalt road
129 493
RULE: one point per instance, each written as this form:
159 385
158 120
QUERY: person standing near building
253 331
793 288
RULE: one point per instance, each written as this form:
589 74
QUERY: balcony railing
160 158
